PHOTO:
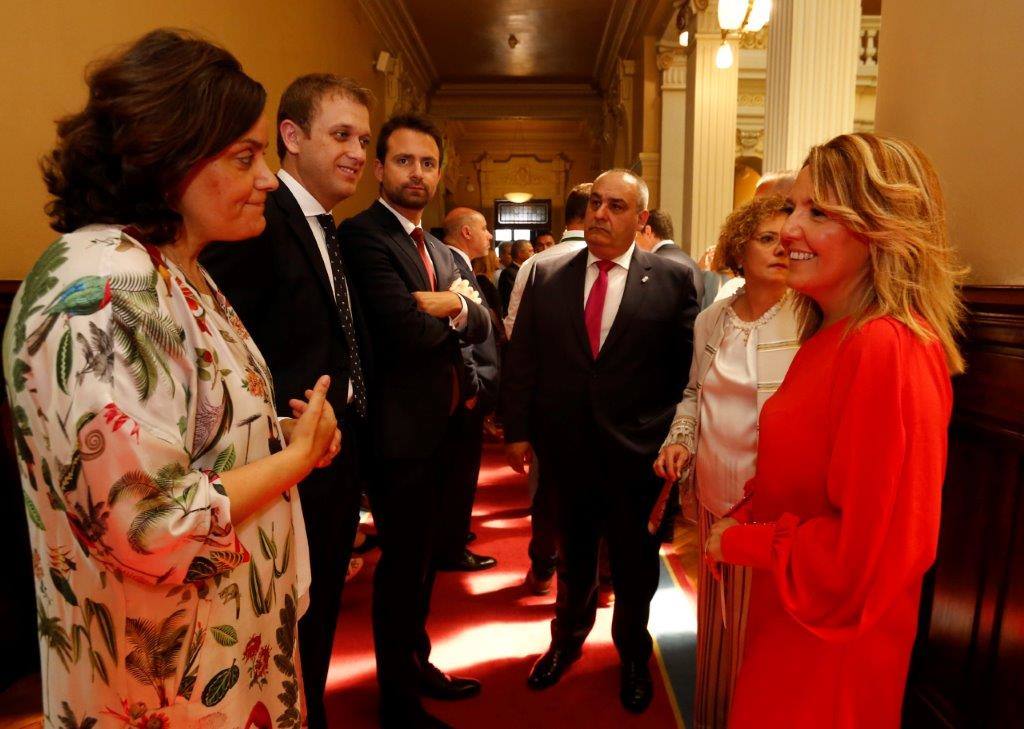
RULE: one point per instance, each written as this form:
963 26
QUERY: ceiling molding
515 89
395 26
625 24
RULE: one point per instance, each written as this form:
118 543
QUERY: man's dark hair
301 100
543 232
155 109
576 202
416 122
518 247
661 224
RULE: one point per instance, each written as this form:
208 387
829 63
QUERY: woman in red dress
841 520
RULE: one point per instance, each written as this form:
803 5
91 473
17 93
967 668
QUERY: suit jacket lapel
306 242
632 298
576 273
406 246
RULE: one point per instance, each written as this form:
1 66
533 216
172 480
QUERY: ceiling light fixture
743 16
518 197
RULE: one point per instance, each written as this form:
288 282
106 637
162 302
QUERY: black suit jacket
413 353
675 253
279 286
555 394
506 280
481 359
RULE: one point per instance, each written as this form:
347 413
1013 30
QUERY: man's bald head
466 229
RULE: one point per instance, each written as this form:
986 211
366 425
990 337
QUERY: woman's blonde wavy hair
886 191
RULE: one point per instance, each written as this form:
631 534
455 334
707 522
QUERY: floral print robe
130 392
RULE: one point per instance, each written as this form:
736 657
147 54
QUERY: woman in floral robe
169 573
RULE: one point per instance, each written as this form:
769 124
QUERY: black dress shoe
437 684
470 536
636 689
549 667
468 562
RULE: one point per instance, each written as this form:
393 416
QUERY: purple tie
595 306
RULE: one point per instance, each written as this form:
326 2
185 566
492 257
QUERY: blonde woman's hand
713 546
315 434
671 461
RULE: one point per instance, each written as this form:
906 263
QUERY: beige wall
951 80
45 45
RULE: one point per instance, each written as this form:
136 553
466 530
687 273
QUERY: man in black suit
466 234
520 251
590 380
290 288
656 237
417 325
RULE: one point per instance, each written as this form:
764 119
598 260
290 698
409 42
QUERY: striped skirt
720 634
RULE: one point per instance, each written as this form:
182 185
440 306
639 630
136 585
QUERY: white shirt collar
571 235
622 260
661 244
465 256
407 224
307 203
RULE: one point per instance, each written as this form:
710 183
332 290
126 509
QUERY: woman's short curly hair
740 227
155 109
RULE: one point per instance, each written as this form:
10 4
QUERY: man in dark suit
656 237
417 325
590 381
521 251
290 288
466 234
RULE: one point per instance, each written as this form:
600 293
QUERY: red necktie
421 248
594 309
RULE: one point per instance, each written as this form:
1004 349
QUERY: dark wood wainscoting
968 665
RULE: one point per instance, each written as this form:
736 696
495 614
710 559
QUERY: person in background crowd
419 315
841 520
323 129
155 471
504 260
775 183
743 346
656 237
543 241
466 234
484 268
543 547
521 251
585 384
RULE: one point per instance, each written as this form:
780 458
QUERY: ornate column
673 136
813 49
710 133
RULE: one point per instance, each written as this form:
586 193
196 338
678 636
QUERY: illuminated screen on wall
534 212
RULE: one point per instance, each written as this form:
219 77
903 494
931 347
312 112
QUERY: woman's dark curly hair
155 109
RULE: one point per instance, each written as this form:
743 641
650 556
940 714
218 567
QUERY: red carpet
487 626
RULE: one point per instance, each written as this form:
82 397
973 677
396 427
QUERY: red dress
842 523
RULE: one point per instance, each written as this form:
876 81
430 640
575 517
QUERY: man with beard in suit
290 288
596 362
417 325
466 234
